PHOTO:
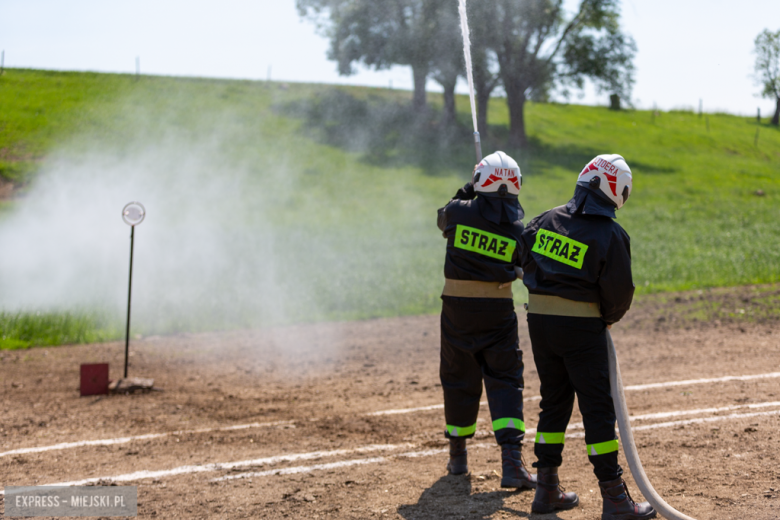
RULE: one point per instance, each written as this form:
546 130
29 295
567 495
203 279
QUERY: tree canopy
768 67
531 48
540 48
380 34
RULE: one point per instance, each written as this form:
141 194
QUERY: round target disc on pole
133 213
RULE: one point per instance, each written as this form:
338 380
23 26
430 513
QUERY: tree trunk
515 99
483 100
776 118
484 84
420 77
448 113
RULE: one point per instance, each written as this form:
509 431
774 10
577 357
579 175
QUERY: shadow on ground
388 132
452 496
385 131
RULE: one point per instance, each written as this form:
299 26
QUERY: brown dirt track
325 378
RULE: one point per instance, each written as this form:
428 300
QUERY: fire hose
627 439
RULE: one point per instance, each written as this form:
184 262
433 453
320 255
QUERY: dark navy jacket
580 253
483 237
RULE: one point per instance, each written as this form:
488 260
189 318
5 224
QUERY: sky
689 50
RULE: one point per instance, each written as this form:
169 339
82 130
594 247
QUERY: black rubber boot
513 468
618 504
458 464
550 496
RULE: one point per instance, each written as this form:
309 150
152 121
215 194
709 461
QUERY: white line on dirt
631 387
332 465
123 440
701 420
376 460
665 415
140 475
434 407
411 410
307 469
703 381
341 464
671 424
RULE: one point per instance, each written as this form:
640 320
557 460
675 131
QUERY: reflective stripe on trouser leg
571 356
502 371
461 377
461 431
602 448
509 422
550 437
479 342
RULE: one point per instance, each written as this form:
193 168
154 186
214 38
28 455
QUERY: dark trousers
571 357
479 342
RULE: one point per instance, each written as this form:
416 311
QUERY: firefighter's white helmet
496 171
610 175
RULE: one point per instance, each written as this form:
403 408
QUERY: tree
538 48
607 61
379 34
447 63
482 15
768 67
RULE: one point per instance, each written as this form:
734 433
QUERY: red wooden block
94 379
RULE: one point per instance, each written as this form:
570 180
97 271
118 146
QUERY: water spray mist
464 27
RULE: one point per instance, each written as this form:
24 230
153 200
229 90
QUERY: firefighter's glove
466 192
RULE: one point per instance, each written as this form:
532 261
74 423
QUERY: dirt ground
315 390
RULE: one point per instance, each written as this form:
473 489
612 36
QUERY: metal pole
129 293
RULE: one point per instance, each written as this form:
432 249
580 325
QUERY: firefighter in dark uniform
577 268
479 338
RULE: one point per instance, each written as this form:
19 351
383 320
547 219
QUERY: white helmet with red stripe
497 175
610 175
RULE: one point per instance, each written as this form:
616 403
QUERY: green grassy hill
368 174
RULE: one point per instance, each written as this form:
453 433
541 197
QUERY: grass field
23 330
336 189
